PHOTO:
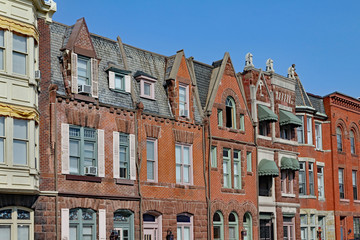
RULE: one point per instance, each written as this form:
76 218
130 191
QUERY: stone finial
249 60
270 65
291 71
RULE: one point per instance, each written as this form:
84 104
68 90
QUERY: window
151 155
83 70
119 82
264 128
247 223
237 169
233 226
248 162
302 179
266 227
20 141
318 135
124 155
341 183
242 122
124 224
265 186
300 130
19 54
312 227
218 226
321 225
339 139
287 181
16 223
2 50
352 142
2 139
230 113
184 100
152 226
309 130
227 168
147 88
286 132
304 227
183 164
356 227
83 150
184 227
213 157
320 177
311 179
82 224
289 228
220 117
354 183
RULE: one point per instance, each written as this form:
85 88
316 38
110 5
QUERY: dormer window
84 73
147 85
119 79
184 100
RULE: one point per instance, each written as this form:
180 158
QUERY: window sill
344 200
307 196
249 173
289 195
83 178
323 199
286 141
124 181
357 201
341 152
184 186
232 190
214 168
264 137
354 155
148 97
84 98
234 130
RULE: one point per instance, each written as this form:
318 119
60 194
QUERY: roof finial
249 60
291 71
270 65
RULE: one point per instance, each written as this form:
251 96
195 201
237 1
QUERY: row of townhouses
102 140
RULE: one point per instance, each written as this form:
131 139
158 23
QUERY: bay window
19 54
309 130
2 49
20 142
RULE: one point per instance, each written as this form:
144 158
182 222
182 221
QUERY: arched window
124 223
16 223
82 223
230 113
152 225
218 226
339 139
247 223
352 141
233 226
184 226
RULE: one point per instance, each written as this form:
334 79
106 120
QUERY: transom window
124 155
83 69
184 227
83 150
82 224
16 223
183 164
19 54
230 112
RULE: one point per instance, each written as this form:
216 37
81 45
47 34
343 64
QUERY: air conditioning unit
90 170
37 74
184 113
84 89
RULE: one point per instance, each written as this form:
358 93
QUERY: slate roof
317 103
203 75
301 98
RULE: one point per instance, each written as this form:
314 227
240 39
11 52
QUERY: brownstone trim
83 178
152 131
183 136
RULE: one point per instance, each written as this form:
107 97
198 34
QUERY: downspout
209 178
257 178
138 163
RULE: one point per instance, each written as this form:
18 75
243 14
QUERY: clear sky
322 37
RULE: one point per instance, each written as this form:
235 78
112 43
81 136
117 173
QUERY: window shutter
111 80
116 155
74 74
132 157
65 224
95 77
101 153
102 224
127 83
65 148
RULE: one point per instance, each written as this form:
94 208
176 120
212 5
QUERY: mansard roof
301 98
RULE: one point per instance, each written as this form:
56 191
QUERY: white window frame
25 54
318 135
220 117
146 80
154 161
237 161
248 161
302 171
354 184
213 156
341 182
186 112
181 164
309 130
242 122
300 130
183 225
14 222
321 187
227 170
88 69
154 227
234 225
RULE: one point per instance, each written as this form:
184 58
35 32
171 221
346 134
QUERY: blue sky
321 37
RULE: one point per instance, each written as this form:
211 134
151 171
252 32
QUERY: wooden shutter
95 77
111 80
65 148
101 153
74 73
116 156
127 83
65 235
132 157
102 224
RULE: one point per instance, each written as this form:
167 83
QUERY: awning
268 168
265 216
288 118
265 114
289 163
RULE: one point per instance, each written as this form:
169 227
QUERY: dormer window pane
183 101
147 89
83 70
119 82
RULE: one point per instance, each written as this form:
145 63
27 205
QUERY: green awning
265 114
265 216
288 118
289 163
268 168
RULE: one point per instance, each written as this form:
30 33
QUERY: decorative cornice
345 103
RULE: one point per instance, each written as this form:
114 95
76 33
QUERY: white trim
101 152
111 80
155 141
102 224
65 149
74 73
116 166
132 157
127 82
65 231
